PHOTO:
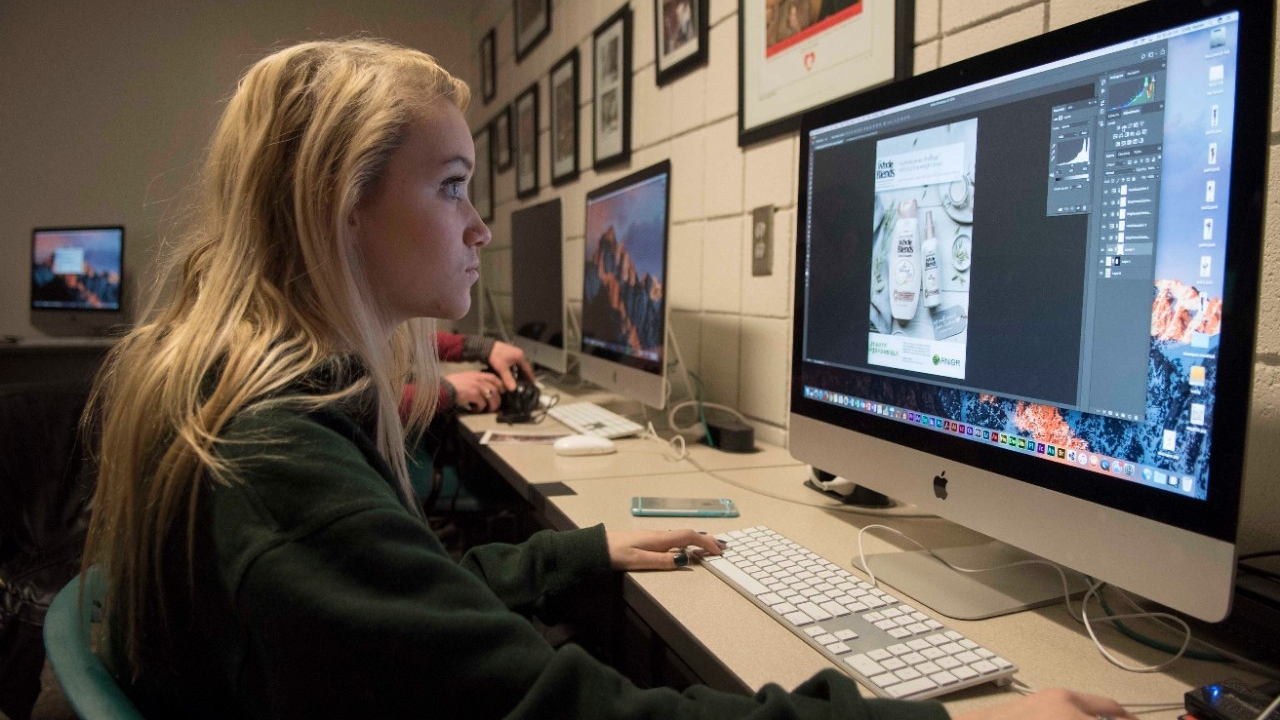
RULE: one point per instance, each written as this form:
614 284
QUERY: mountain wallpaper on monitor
621 307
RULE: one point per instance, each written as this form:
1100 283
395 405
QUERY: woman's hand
1054 704
655 549
476 390
503 357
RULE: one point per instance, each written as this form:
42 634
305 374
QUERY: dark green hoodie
318 595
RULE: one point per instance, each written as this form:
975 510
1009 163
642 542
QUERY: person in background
476 390
253 517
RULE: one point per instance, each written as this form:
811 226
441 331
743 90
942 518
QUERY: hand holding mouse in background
503 358
476 390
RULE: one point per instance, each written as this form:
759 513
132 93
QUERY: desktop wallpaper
93 282
623 294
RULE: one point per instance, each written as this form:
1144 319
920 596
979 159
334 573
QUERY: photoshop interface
1009 243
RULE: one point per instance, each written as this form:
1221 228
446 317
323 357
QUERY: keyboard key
865 665
911 687
798 618
737 576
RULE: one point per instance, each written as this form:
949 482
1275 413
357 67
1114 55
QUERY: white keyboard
888 646
588 418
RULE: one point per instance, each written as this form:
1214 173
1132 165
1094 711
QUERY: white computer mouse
584 445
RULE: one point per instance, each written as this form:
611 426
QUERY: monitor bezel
1217 516
615 371
544 354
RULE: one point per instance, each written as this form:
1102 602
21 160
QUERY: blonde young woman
264 555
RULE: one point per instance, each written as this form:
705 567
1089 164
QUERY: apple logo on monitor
940 486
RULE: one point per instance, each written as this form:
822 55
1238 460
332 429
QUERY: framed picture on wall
681 37
799 54
611 89
563 94
482 176
502 140
526 145
532 23
488 68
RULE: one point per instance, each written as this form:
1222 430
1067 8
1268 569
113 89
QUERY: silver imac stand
499 325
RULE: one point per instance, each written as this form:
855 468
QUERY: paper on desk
513 437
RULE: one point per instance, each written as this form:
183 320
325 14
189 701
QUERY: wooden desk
732 645
43 359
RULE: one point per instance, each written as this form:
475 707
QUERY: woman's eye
456 188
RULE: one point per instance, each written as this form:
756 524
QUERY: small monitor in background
624 302
77 277
537 284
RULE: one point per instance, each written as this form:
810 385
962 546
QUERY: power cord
1270 709
676 443
834 507
1223 655
1094 590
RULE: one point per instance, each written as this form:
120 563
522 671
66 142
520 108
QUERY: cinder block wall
735 329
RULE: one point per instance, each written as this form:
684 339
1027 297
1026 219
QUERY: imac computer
537 285
1026 296
77 279
624 305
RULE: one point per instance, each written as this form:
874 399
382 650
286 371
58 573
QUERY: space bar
736 576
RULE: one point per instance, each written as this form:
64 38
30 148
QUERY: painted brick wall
735 329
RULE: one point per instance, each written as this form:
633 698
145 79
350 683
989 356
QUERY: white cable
1270 708
671 415
848 509
1024 689
1066 596
862 559
1084 614
676 443
1257 667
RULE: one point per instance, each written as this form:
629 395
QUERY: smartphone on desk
683 507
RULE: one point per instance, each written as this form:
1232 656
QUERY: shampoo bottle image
905 277
932 293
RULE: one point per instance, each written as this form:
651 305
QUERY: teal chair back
86 683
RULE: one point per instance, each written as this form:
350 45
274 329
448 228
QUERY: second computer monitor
537 284
624 306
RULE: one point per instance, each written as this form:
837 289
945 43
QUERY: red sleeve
444 402
449 346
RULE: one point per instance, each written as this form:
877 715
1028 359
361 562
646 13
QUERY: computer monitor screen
1027 289
77 278
537 284
624 305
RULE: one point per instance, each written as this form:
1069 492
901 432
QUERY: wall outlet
762 241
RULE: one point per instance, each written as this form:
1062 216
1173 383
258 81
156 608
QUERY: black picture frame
482 174
488 67
562 101
525 119
783 71
680 37
502 140
611 90
532 23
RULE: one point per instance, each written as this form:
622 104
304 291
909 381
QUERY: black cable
1259 572
1259 554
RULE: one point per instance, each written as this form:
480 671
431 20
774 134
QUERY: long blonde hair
262 289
